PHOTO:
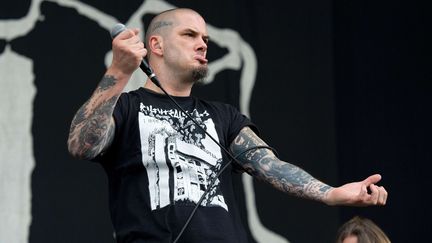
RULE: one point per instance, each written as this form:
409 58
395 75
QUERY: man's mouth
201 59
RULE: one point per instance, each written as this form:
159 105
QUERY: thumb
135 31
128 33
373 179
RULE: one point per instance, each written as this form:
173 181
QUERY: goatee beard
199 74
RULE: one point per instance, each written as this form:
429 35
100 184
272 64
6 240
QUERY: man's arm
264 165
92 128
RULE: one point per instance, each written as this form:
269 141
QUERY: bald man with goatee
161 164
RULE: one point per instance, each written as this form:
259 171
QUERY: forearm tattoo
264 165
92 129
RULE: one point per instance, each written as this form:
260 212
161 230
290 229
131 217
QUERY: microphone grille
117 29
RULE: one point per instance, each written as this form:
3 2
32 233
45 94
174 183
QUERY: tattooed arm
264 165
92 128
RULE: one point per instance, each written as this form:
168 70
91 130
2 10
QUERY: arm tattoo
107 82
92 128
264 165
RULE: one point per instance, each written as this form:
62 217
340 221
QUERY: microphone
116 30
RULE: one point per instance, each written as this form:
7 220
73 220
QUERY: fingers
135 30
128 33
129 40
373 179
374 194
133 40
378 195
128 51
382 200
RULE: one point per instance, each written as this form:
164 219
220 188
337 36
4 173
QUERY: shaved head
176 41
162 23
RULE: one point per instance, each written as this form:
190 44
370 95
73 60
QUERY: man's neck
174 89
174 82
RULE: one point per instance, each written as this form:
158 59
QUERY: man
159 163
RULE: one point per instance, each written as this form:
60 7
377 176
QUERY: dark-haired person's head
361 230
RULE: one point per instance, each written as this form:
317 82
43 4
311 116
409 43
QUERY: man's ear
156 45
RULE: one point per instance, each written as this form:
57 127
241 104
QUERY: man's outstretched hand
356 193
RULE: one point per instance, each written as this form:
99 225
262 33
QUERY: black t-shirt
160 163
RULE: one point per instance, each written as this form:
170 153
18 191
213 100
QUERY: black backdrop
383 99
342 90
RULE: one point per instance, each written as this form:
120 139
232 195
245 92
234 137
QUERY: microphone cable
117 29
155 80
211 184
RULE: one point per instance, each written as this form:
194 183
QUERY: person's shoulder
216 104
213 102
130 99
219 107
133 94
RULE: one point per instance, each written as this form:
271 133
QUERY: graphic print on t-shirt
180 159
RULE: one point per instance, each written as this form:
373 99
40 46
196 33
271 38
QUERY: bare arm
264 165
92 128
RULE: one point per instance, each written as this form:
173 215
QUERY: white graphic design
174 149
240 56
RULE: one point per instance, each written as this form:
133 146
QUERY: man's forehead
191 21
192 27
180 20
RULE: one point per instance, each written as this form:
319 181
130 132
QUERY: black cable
157 83
117 29
211 187
144 66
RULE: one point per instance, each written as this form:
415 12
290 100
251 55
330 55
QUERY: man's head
176 41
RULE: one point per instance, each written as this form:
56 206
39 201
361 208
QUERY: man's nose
202 46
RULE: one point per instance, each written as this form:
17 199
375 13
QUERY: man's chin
199 74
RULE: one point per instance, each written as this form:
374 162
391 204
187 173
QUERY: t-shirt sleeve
120 114
238 122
